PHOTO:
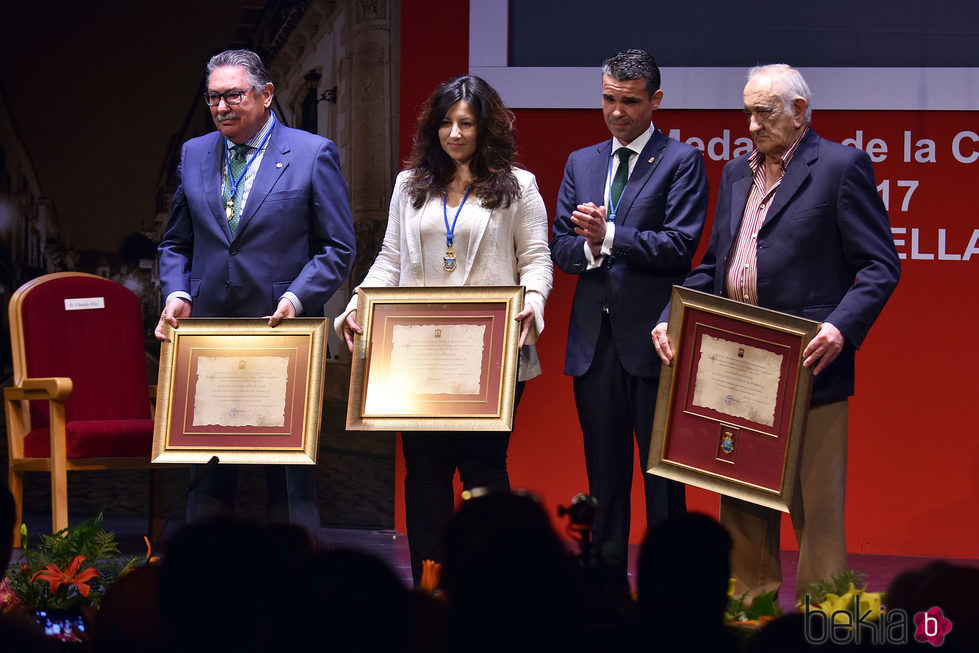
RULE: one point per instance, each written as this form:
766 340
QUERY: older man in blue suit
259 226
799 228
629 216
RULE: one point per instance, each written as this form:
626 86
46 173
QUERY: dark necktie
238 160
621 175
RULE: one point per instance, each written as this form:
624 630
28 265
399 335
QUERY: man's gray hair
790 84
258 74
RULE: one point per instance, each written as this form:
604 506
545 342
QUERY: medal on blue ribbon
449 260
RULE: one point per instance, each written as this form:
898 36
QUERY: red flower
56 578
431 574
150 558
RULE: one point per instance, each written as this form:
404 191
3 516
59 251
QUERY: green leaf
838 584
88 538
764 605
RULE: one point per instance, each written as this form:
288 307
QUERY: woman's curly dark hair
496 146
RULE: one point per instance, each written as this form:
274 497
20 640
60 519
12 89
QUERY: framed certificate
240 390
435 359
731 410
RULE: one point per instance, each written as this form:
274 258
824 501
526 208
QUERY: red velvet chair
80 399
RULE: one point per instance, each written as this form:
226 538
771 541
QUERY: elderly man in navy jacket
799 228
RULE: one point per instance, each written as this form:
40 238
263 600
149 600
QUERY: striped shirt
741 279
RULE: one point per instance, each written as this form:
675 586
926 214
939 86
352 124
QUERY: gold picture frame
731 410
240 390
459 343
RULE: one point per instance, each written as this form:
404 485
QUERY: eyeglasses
230 97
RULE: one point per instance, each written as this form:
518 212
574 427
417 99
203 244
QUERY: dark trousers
431 459
291 493
615 410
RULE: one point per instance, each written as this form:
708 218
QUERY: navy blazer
295 233
658 225
825 250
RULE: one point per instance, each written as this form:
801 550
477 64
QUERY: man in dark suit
259 226
799 228
629 216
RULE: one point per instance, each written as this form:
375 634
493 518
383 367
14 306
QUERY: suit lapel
413 239
795 175
211 176
739 199
481 216
593 185
649 160
275 161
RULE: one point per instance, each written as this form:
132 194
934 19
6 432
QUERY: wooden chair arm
55 388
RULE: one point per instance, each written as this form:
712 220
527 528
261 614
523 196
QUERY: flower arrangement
844 593
742 613
69 569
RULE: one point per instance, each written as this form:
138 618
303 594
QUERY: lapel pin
651 159
278 165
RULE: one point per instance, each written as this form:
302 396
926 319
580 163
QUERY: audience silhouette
954 589
508 579
684 570
508 583
345 600
222 581
130 618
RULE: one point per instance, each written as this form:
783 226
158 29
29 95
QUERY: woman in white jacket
461 214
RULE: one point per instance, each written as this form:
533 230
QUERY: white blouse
493 247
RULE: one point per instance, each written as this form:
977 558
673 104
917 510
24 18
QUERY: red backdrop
913 482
